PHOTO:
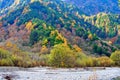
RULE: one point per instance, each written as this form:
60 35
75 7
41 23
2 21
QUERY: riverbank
46 73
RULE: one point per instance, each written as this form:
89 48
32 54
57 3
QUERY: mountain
92 7
89 7
5 3
57 33
9 5
38 24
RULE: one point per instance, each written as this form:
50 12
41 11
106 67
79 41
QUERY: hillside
7 6
92 7
43 27
63 18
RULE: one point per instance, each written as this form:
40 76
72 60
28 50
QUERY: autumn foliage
115 56
62 56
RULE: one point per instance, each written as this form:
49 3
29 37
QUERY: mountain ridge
66 20
92 7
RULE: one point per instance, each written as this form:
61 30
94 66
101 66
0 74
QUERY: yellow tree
60 37
62 56
44 25
90 36
116 57
29 26
44 50
12 47
77 48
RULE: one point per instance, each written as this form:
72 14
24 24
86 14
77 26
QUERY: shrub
95 61
17 61
89 62
116 57
6 62
4 54
44 59
5 58
83 60
105 61
62 56
22 60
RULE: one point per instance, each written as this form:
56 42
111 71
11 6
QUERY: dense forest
55 33
92 7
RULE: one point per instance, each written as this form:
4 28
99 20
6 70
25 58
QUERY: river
46 73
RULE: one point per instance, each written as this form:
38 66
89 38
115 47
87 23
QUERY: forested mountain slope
7 6
47 23
59 34
92 7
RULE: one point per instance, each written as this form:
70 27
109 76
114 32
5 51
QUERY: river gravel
47 73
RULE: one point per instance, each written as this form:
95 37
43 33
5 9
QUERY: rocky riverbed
46 73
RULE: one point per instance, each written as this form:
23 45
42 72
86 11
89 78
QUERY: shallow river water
38 73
